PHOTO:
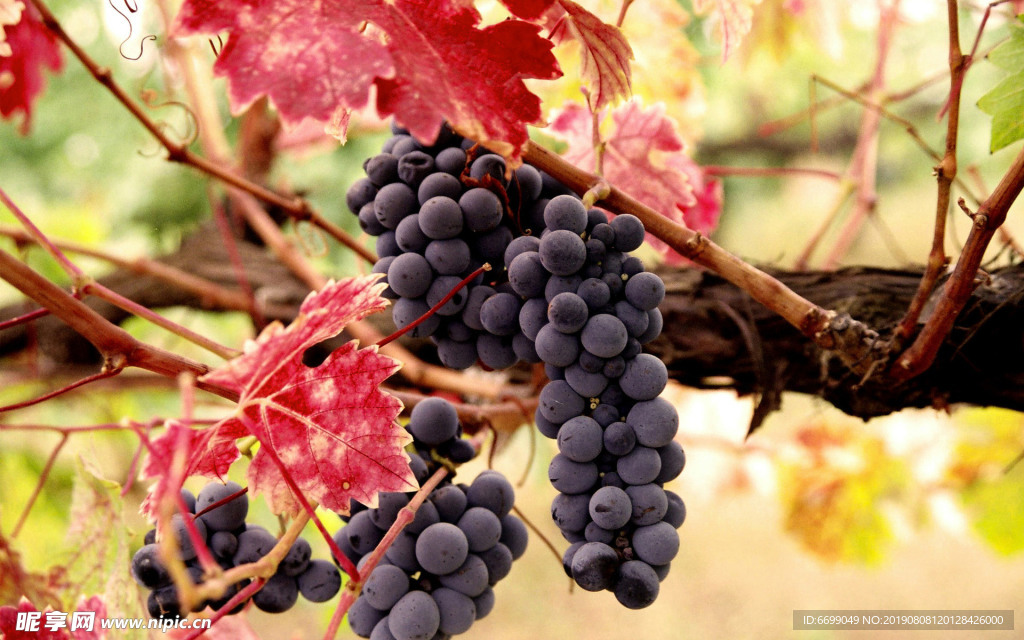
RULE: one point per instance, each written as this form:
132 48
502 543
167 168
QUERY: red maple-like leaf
427 59
604 51
643 157
49 624
32 48
528 9
330 427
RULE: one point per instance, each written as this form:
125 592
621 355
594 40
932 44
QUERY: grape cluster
589 309
232 542
572 297
439 212
438 575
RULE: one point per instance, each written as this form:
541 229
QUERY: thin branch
434 309
58 392
810 319
297 208
118 348
47 468
958 288
945 174
770 172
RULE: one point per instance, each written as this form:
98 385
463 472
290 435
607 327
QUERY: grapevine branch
987 219
813 321
945 173
118 348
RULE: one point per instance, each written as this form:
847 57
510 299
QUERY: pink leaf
428 60
32 47
643 157
737 18
331 426
95 605
604 51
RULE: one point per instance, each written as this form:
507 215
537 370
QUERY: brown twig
118 348
987 219
945 174
810 319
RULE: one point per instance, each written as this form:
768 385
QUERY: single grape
456 610
562 252
439 184
654 421
385 587
528 275
440 218
649 504
394 202
568 313
500 314
414 617
432 421
572 477
594 566
228 516
410 275
644 378
657 543
636 585
481 210
450 257
278 595
640 466
558 402
645 290
414 166
604 335
580 439
566 212
610 508
481 527
320 581
441 548
629 232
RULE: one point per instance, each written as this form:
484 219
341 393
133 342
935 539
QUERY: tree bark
715 336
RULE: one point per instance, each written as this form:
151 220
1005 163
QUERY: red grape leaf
330 426
604 52
737 17
528 9
32 47
427 59
643 157
50 624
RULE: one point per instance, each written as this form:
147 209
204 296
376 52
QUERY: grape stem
434 309
405 516
812 321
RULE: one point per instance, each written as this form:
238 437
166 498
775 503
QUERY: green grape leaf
996 510
1005 102
98 560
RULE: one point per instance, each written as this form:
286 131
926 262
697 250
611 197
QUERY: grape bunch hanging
222 509
564 291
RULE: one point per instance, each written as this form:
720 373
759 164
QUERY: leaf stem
47 468
434 309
